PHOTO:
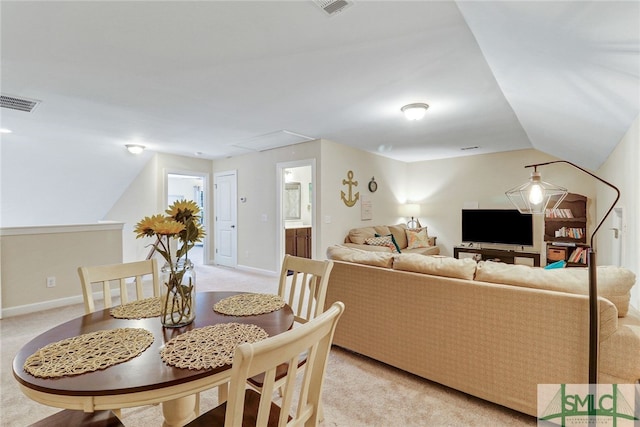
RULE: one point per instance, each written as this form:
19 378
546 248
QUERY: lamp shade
536 196
409 210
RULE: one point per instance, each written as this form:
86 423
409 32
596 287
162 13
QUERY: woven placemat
249 304
148 307
210 346
88 352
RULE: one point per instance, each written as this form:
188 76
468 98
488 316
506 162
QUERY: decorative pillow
436 265
417 239
400 234
614 283
557 264
359 256
382 241
393 239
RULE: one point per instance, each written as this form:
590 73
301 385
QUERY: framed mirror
292 200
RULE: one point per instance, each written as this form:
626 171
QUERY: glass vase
178 301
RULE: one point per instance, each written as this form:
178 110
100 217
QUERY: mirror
292 200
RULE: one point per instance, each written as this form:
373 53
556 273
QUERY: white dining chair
123 274
247 407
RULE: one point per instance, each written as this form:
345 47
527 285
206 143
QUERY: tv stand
500 255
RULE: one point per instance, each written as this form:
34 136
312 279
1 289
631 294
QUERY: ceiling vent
332 7
17 103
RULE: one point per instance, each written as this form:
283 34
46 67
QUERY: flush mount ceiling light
135 148
415 111
4 130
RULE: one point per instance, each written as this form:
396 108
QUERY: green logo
590 404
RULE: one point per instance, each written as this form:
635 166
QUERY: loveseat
488 329
403 240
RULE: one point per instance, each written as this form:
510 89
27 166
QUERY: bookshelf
565 231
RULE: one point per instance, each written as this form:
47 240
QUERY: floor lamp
534 197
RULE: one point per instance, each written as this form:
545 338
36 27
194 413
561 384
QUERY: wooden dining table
146 378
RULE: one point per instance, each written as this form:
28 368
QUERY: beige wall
147 195
337 160
257 181
31 254
443 186
621 169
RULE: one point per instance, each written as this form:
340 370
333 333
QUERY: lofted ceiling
222 78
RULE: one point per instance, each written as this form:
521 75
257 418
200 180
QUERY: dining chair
303 285
70 417
247 407
122 273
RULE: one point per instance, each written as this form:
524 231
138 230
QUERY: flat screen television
504 226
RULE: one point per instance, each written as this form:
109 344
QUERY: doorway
190 186
296 208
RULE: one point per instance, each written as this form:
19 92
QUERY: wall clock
373 185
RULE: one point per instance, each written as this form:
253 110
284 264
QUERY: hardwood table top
147 371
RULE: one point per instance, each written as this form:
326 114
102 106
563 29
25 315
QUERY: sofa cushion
358 256
431 250
399 233
393 240
436 265
382 241
417 239
614 283
359 235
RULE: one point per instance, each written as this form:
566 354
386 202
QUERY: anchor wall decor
353 198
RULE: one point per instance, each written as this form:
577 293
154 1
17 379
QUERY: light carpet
358 391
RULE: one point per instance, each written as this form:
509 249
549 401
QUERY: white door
225 209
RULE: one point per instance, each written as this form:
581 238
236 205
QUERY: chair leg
223 393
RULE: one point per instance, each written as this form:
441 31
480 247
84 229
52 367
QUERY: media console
500 255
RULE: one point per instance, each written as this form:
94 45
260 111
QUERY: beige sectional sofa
489 329
358 237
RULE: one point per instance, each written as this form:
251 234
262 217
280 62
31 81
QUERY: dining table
145 378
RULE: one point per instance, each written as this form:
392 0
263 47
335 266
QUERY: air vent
331 7
16 103
475 147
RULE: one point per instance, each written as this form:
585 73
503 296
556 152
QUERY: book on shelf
559 213
579 255
571 232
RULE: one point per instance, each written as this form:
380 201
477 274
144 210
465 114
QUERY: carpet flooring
358 391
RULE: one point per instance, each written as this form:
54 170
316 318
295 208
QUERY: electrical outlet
51 281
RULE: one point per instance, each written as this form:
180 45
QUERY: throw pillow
557 264
417 239
381 241
393 239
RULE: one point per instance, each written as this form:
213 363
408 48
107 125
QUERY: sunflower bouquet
182 222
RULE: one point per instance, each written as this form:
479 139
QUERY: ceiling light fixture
4 130
135 148
415 111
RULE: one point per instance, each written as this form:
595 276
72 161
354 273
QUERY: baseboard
258 270
41 306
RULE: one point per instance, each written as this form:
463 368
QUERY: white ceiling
214 76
